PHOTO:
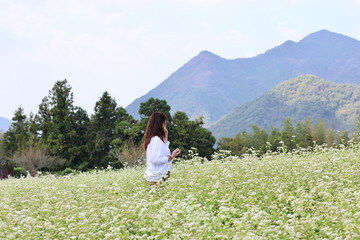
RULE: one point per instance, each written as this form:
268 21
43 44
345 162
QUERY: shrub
19 172
67 171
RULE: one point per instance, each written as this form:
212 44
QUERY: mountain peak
325 35
207 55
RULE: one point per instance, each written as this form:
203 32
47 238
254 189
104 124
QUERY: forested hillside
298 98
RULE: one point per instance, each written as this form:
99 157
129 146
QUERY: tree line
303 135
109 137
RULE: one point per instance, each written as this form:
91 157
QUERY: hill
4 124
211 86
298 98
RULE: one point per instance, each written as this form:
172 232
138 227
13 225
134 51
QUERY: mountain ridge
210 86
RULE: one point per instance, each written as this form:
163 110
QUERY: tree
274 139
102 131
308 133
300 132
259 137
320 131
61 126
287 134
154 105
330 137
18 135
186 134
80 123
127 129
237 145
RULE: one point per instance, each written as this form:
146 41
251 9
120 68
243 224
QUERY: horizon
128 49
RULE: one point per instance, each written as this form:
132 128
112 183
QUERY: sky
128 47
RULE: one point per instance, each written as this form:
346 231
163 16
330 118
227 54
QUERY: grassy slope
298 98
312 195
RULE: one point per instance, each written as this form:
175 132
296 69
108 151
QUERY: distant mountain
4 124
211 86
298 98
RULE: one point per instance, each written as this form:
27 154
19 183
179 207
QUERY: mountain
298 98
4 124
211 86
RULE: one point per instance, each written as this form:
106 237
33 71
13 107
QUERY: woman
156 144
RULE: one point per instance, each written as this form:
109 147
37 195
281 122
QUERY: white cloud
210 3
204 24
19 19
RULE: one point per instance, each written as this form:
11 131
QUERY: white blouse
157 163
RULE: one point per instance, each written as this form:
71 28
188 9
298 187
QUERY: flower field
311 195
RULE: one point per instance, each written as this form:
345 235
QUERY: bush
19 172
67 171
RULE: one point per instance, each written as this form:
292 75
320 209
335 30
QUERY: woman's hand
175 153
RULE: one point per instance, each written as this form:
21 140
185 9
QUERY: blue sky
129 47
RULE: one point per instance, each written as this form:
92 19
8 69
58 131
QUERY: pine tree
18 136
60 134
102 131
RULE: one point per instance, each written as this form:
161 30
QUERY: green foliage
101 131
19 172
186 134
62 126
320 132
303 135
67 171
288 134
154 105
67 133
304 96
183 132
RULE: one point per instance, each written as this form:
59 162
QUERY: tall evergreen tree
60 137
18 135
102 131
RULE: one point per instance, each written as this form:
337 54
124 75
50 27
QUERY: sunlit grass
290 196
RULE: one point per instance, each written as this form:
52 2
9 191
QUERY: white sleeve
156 152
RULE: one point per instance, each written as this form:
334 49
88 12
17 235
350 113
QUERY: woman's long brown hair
155 127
